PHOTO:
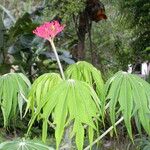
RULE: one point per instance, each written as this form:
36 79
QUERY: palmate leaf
22 144
86 72
41 86
70 101
130 95
12 87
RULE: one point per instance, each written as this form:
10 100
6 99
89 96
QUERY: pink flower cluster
48 30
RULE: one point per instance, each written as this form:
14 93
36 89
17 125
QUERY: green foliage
64 8
123 37
138 16
41 86
70 102
86 72
129 95
17 48
23 25
22 144
143 143
112 40
148 78
14 88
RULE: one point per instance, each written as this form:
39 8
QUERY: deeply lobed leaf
12 87
86 72
130 95
41 86
22 144
71 102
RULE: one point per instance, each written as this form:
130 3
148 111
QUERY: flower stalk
48 31
57 58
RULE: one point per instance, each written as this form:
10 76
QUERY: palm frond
130 95
73 102
13 88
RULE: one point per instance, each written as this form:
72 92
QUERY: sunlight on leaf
86 72
41 86
129 95
71 102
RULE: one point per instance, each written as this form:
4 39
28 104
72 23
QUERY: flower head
48 30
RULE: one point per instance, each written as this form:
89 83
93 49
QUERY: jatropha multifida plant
75 102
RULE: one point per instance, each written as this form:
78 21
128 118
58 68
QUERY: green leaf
86 72
91 135
80 136
112 95
70 101
22 144
142 104
11 85
129 94
41 86
6 100
126 103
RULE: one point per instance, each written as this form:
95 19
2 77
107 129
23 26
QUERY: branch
107 131
51 125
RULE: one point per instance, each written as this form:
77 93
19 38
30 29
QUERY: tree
138 14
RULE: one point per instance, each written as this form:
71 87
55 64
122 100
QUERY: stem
107 131
67 139
57 58
51 125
